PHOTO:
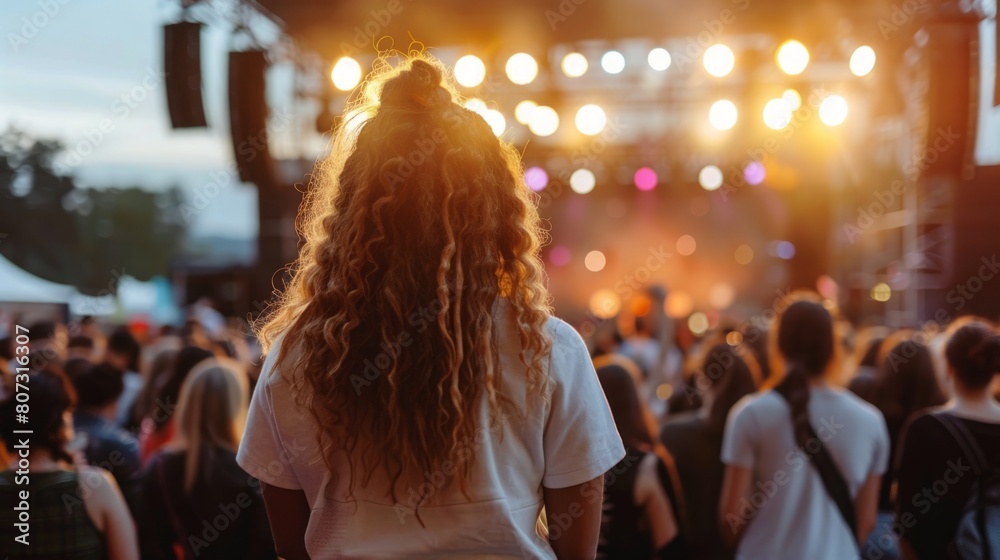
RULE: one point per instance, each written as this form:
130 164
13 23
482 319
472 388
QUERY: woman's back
60 526
789 513
623 535
223 516
935 479
558 442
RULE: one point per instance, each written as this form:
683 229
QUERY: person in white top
775 503
417 399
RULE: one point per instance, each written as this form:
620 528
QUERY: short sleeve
581 441
882 447
741 435
262 453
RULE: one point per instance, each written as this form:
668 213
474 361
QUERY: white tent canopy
20 286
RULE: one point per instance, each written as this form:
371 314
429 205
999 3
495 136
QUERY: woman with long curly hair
418 399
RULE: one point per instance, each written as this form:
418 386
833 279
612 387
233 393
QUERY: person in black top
195 498
640 517
695 441
935 476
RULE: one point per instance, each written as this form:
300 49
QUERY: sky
92 60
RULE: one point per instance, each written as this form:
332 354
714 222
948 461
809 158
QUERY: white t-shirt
795 516
565 441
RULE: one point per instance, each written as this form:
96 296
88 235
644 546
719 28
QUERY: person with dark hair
949 453
75 512
47 341
124 352
81 346
98 389
694 438
904 385
640 515
418 399
158 426
804 461
864 380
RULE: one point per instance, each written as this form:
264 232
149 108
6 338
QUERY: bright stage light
582 181
754 173
521 68
522 113
496 121
543 121
595 261
470 71
678 304
613 62
645 179
722 115
346 74
605 304
476 105
536 178
719 60
574 65
659 59
862 61
777 114
881 292
793 98
590 120
710 177
721 295
833 110
793 57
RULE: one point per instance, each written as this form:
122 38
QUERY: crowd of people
417 399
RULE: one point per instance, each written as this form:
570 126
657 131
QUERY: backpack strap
965 440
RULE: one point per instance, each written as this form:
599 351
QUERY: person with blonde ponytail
196 502
417 399
804 460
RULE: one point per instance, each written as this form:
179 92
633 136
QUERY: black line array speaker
248 115
182 65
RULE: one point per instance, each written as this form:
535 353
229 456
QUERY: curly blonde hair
414 228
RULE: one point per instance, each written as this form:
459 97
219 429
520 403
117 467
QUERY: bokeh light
346 74
793 57
536 178
881 292
645 179
744 254
590 119
777 114
595 261
544 121
605 304
792 97
496 120
613 62
754 173
785 250
559 255
476 105
723 114
710 177
679 304
574 65
833 110
734 338
659 59
686 245
862 60
721 296
827 287
521 69
719 60
582 181
523 110
698 323
470 71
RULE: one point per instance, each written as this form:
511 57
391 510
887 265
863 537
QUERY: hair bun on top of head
986 354
416 88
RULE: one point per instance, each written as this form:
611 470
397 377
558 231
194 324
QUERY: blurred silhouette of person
158 426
